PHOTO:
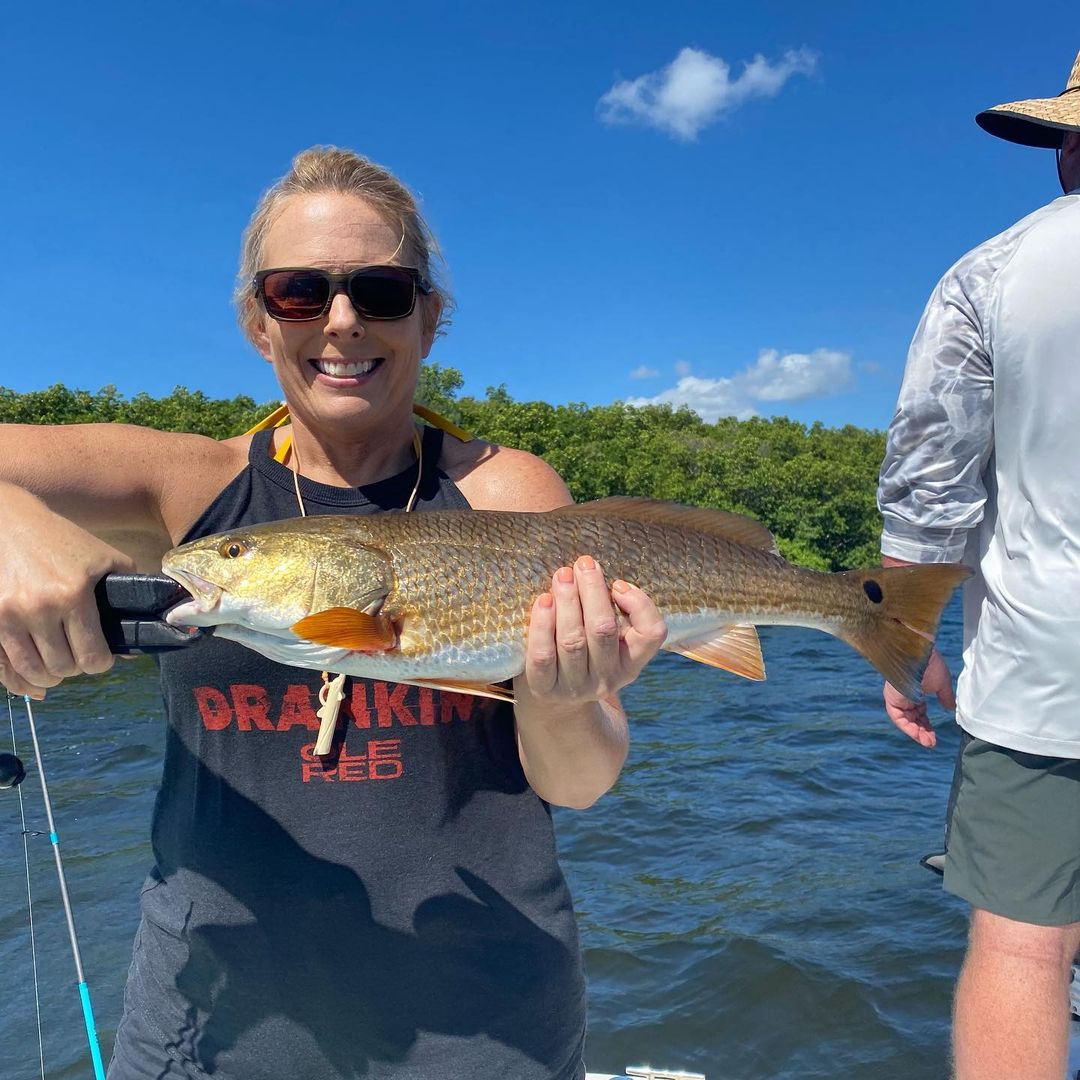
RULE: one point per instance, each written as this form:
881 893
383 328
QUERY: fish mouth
205 598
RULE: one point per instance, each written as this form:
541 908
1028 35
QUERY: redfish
442 598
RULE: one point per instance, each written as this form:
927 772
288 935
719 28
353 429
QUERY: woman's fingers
50 628
52 645
571 641
647 630
24 658
52 631
15 683
603 647
576 649
541 655
89 649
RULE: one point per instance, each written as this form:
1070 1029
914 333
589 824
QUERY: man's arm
931 491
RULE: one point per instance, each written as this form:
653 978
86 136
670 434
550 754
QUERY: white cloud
683 367
642 371
696 88
771 378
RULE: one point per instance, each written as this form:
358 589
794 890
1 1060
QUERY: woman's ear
432 309
255 324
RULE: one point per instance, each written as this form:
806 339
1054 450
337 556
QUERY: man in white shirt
983 466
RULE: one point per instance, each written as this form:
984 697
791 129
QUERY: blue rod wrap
91 1032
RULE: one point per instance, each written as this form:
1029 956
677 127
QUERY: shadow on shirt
281 968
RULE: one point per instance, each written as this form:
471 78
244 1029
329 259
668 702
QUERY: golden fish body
444 596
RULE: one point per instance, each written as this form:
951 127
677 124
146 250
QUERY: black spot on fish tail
897 635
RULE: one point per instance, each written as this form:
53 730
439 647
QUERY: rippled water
749 894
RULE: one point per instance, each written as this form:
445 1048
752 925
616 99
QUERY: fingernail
620 586
565 575
586 562
545 600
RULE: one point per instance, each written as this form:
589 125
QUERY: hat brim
1040 122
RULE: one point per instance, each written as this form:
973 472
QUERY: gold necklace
333 690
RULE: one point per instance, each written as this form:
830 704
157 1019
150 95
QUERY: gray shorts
1013 833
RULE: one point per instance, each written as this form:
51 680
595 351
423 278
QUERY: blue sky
625 207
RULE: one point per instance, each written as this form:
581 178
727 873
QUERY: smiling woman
424 835
336 362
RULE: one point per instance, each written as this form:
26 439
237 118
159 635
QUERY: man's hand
911 717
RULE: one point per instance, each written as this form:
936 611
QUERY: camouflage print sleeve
931 490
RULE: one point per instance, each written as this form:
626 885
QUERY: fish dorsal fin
347 628
461 686
733 648
736 528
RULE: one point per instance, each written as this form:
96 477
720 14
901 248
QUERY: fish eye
233 549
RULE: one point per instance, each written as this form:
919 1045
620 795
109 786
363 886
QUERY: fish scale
492 586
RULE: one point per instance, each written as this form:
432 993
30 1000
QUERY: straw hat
1038 121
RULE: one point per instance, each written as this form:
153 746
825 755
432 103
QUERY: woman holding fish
374 890
392 907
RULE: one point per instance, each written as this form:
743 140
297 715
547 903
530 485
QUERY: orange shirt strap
281 416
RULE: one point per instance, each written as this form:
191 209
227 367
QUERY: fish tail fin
905 605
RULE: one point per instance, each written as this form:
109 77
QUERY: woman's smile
336 372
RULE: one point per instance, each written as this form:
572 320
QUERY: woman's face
342 367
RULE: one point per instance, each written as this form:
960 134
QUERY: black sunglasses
303 293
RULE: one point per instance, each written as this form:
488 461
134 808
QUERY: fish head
268 577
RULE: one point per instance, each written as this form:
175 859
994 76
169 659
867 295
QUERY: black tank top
393 911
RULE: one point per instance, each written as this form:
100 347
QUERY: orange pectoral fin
733 648
347 628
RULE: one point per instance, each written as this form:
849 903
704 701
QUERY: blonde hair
330 169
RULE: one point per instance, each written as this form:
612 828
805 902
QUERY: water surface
749 894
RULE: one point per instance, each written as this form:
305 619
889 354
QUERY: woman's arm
79 502
572 733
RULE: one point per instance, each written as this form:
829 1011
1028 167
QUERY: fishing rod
84 990
132 608
12 774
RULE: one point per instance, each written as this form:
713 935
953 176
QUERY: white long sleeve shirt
982 466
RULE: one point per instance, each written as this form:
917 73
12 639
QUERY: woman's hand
572 732
50 629
576 652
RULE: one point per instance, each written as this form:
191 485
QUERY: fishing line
84 990
29 897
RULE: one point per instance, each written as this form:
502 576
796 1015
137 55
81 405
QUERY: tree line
813 486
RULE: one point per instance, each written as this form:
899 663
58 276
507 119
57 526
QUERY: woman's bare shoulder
197 470
496 477
184 474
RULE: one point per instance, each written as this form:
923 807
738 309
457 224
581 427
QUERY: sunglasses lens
295 294
383 292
